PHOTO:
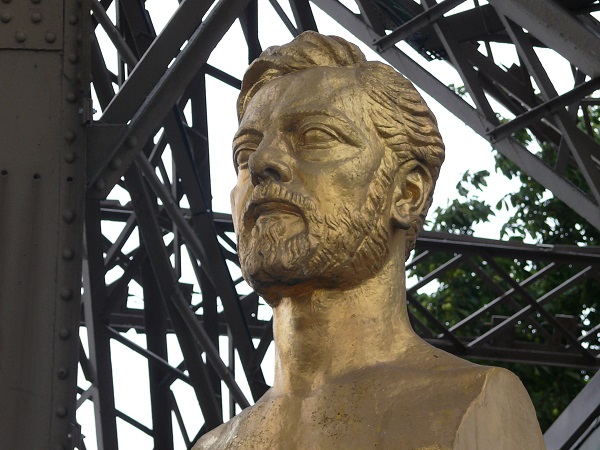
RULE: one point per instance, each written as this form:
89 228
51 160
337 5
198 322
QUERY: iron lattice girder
482 119
44 108
461 250
576 419
153 96
158 96
498 344
472 252
558 29
206 250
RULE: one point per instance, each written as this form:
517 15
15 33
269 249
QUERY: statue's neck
326 334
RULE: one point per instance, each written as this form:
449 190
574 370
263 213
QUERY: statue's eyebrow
334 117
245 132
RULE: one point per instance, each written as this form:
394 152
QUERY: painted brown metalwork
42 177
45 108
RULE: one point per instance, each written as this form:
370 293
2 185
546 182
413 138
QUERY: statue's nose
270 162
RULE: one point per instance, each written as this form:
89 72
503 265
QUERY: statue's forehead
321 79
315 89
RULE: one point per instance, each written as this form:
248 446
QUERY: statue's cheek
238 197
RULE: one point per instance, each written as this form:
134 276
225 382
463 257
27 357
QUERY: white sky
464 151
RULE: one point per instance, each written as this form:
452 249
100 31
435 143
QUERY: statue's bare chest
351 416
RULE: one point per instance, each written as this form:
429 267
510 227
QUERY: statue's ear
412 187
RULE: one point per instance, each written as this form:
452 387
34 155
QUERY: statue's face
309 207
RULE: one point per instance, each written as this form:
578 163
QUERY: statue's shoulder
220 438
501 416
438 371
469 406
213 438
248 429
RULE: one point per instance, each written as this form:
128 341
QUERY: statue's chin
275 281
274 274
272 259
280 273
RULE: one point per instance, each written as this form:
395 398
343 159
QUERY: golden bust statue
336 159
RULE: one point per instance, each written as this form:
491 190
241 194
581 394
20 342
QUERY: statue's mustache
274 193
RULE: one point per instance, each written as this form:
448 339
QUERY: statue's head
335 156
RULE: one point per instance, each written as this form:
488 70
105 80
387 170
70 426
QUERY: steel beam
528 309
200 201
208 252
503 296
556 28
303 14
466 71
284 18
114 34
249 21
157 99
582 146
450 264
149 355
482 274
99 350
156 338
558 327
448 242
576 418
44 107
510 148
533 354
416 23
152 65
176 304
190 333
546 109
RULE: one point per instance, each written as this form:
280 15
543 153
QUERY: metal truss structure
156 258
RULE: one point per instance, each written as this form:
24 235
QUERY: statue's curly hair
401 116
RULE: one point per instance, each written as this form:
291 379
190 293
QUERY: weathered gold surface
336 166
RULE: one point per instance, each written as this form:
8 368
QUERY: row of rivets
36 17
68 215
6 17
20 36
68 293
36 176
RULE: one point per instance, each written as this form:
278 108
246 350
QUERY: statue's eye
318 135
241 158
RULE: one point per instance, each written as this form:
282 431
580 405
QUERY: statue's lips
266 207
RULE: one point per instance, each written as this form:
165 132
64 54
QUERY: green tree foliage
536 217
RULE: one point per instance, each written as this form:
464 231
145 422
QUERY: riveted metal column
44 104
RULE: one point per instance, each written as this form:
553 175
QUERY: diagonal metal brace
416 23
146 121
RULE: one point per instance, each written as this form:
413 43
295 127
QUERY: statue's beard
305 249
